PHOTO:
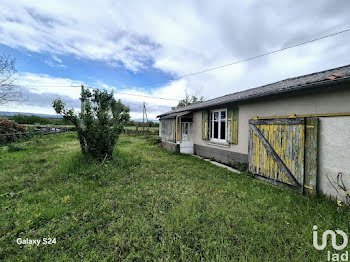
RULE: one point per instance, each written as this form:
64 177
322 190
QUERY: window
218 125
168 130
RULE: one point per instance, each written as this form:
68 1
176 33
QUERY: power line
163 98
42 86
246 59
153 97
212 68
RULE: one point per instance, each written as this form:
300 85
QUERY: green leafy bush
99 124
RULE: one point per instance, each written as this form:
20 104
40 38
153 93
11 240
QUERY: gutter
302 116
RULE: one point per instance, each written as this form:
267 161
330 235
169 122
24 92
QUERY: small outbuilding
294 133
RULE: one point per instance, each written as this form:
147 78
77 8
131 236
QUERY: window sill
218 143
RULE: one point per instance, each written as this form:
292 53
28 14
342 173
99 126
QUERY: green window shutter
205 123
232 125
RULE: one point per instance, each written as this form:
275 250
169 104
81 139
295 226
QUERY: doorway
186 144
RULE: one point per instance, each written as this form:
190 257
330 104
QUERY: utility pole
143 119
144 106
82 106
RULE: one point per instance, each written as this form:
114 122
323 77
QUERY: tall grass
149 204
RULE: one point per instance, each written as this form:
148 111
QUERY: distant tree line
140 124
33 119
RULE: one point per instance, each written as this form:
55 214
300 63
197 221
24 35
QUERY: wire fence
141 131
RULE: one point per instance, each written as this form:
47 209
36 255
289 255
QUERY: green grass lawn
149 204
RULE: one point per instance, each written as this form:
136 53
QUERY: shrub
9 130
99 124
240 166
9 126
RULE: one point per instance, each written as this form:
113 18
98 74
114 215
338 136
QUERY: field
149 204
152 128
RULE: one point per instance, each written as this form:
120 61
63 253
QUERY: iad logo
334 256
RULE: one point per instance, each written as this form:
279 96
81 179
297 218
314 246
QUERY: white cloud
43 83
86 29
53 64
182 37
39 90
57 59
175 91
23 108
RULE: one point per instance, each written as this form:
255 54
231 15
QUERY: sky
122 46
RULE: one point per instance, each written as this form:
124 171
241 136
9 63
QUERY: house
293 133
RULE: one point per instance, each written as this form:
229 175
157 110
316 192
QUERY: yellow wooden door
276 150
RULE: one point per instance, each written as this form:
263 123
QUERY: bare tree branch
9 92
188 100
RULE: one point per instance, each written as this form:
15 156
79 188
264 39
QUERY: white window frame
211 132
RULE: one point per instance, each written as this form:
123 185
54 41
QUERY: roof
173 115
285 86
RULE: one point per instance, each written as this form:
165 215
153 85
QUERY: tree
188 100
99 124
8 91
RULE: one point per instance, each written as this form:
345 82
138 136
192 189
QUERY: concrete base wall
220 155
333 155
170 146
